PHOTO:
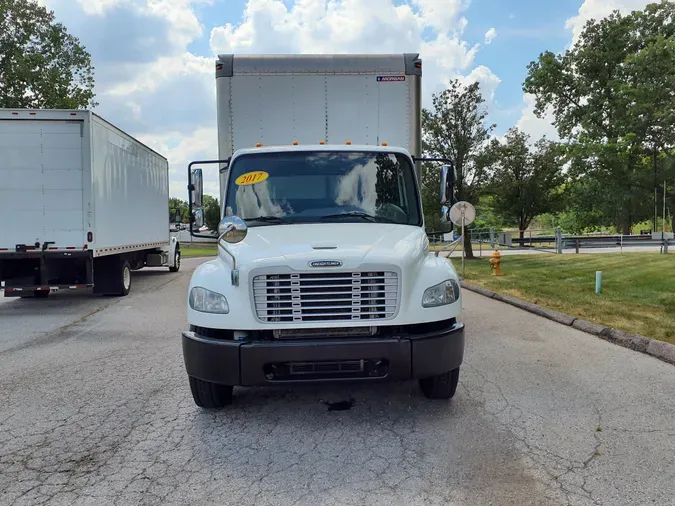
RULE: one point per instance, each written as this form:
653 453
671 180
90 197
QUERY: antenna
461 214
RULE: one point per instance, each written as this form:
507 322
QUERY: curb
657 349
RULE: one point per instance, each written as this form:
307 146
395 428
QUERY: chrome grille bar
322 297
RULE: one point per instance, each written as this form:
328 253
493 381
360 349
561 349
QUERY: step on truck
83 204
324 271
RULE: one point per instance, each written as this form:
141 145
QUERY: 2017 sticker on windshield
257 176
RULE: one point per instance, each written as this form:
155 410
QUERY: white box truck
324 271
83 204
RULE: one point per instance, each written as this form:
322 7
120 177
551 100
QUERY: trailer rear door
41 181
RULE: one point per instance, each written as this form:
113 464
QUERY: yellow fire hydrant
495 263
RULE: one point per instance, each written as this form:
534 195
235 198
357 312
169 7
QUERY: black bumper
301 361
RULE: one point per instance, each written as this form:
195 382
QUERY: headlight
207 301
443 293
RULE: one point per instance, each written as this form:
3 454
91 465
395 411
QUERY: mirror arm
235 271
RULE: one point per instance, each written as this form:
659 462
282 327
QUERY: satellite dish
462 210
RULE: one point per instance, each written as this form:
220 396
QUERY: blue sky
154 58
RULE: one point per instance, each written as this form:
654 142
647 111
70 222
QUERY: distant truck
324 271
82 204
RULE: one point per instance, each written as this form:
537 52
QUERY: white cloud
442 14
488 83
490 35
534 126
148 78
598 9
96 6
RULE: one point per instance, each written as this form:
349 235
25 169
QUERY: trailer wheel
176 261
210 395
442 386
41 294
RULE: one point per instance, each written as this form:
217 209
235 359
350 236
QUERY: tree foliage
41 64
525 182
211 212
181 206
611 95
456 128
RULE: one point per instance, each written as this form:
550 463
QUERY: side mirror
448 178
232 229
196 187
445 172
197 218
445 211
178 218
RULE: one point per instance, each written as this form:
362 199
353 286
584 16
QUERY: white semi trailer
83 204
324 271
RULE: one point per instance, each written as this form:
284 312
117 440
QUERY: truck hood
352 244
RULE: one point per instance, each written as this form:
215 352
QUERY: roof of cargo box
322 147
228 65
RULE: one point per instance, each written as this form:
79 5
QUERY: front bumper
301 361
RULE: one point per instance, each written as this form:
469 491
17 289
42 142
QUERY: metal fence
555 241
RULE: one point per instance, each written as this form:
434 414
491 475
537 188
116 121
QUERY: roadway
95 409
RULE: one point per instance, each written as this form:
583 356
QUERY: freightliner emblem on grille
325 263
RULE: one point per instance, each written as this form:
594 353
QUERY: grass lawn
197 250
638 289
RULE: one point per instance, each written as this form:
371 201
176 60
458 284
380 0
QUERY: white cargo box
73 180
276 100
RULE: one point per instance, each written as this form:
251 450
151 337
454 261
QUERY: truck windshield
321 187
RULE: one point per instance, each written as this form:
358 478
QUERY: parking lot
95 409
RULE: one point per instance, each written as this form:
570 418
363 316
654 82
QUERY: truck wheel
442 386
176 261
123 279
41 294
210 395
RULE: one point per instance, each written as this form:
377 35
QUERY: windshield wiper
267 219
358 214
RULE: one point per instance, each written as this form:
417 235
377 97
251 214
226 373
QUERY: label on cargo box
390 79
257 176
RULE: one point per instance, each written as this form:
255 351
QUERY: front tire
210 395
442 386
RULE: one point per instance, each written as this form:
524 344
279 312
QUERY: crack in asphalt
543 456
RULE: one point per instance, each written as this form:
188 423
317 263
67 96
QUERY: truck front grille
326 297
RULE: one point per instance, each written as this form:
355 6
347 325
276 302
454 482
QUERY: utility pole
664 210
655 207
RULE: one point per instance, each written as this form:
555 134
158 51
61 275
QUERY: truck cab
323 270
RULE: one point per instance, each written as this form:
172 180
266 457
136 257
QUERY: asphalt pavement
95 409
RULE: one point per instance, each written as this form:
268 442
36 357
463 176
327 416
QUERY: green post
598 281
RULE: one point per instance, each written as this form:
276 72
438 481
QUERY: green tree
456 128
41 64
525 182
211 212
610 94
180 205
649 90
